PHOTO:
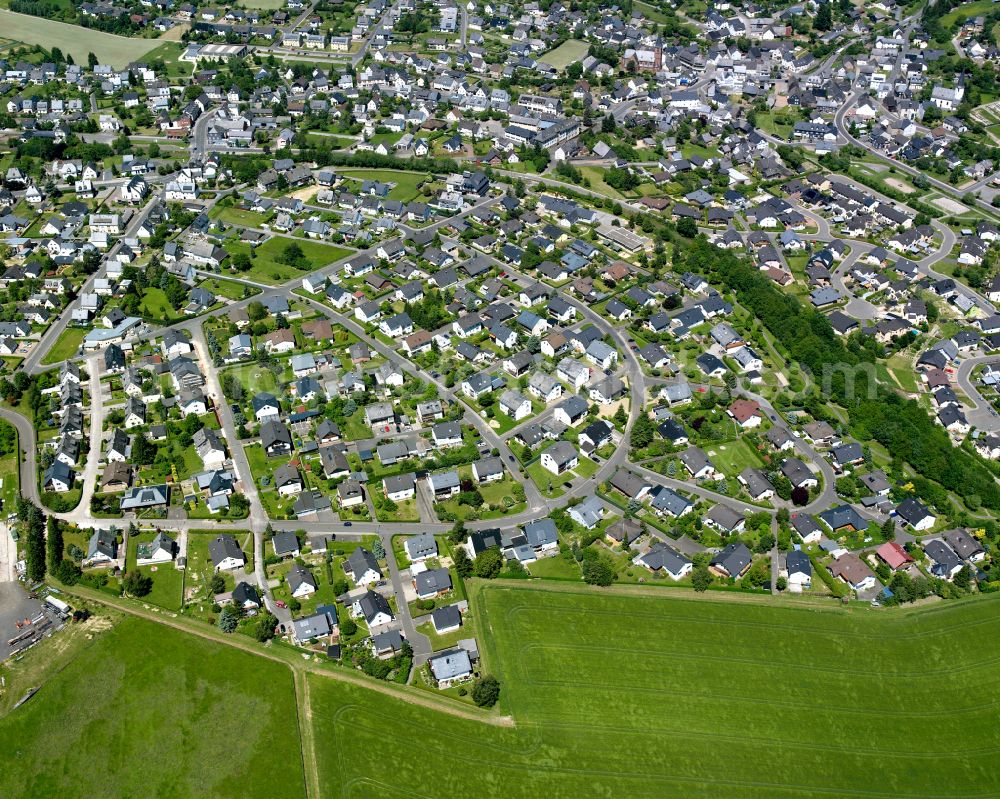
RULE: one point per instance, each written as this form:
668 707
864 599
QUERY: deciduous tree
486 691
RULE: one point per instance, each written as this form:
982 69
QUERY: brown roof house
853 571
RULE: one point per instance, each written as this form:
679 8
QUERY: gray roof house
733 561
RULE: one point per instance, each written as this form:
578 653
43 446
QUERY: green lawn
228 288
333 142
155 305
62 502
544 479
169 52
143 688
406 182
650 12
406 509
66 346
777 123
595 175
549 484
493 499
447 640
255 378
669 696
238 216
901 367
267 268
559 567
168 581
10 471
733 457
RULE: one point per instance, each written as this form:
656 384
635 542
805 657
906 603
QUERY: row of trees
846 374
43 551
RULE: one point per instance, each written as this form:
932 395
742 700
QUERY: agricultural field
675 696
142 688
74 40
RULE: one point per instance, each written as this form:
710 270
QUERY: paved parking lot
15 605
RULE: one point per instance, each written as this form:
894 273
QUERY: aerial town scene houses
322 322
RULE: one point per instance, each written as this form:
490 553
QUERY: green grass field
10 472
74 40
156 306
168 581
614 695
651 13
237 216
565 54
266 267
406 182
230 289
169 53
66 346
255 378
733 457
958 15
626 693
146 710
595 175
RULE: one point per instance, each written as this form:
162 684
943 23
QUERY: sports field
565 54
74 40
676 696
146 710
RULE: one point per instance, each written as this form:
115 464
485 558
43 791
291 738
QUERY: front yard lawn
405 510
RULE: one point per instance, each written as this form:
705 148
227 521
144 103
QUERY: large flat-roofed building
223 52
624 238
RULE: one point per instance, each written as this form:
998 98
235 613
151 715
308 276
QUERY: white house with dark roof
560 457
225 553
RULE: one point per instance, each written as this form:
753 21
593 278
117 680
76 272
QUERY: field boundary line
307 737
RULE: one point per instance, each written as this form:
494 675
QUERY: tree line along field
146 710
618 695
